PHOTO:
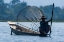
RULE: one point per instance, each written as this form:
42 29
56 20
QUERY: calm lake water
56 36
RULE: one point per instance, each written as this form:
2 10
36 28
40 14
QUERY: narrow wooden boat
18 30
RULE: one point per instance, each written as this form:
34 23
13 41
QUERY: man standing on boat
44 27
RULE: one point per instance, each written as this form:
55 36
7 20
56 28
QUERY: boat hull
23 33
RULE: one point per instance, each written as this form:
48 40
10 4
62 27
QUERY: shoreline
30 21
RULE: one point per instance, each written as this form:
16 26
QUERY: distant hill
9 11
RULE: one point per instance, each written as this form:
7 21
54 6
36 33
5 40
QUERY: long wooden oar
51 18
52 14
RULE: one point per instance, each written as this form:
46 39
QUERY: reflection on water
56 36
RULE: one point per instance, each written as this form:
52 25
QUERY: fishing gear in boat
29 15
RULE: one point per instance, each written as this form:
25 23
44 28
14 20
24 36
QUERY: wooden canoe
18 30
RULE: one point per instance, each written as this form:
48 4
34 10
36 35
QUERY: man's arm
49 20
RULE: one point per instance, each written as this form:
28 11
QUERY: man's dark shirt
44 26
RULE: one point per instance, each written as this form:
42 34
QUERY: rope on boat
27 27
24 26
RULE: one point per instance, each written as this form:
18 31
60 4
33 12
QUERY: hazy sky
59 3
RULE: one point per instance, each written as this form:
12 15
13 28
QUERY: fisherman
44 27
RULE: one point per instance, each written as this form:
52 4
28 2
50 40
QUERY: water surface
56 36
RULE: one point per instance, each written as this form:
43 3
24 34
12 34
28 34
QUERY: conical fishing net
29 14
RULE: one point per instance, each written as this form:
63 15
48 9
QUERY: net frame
41 13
